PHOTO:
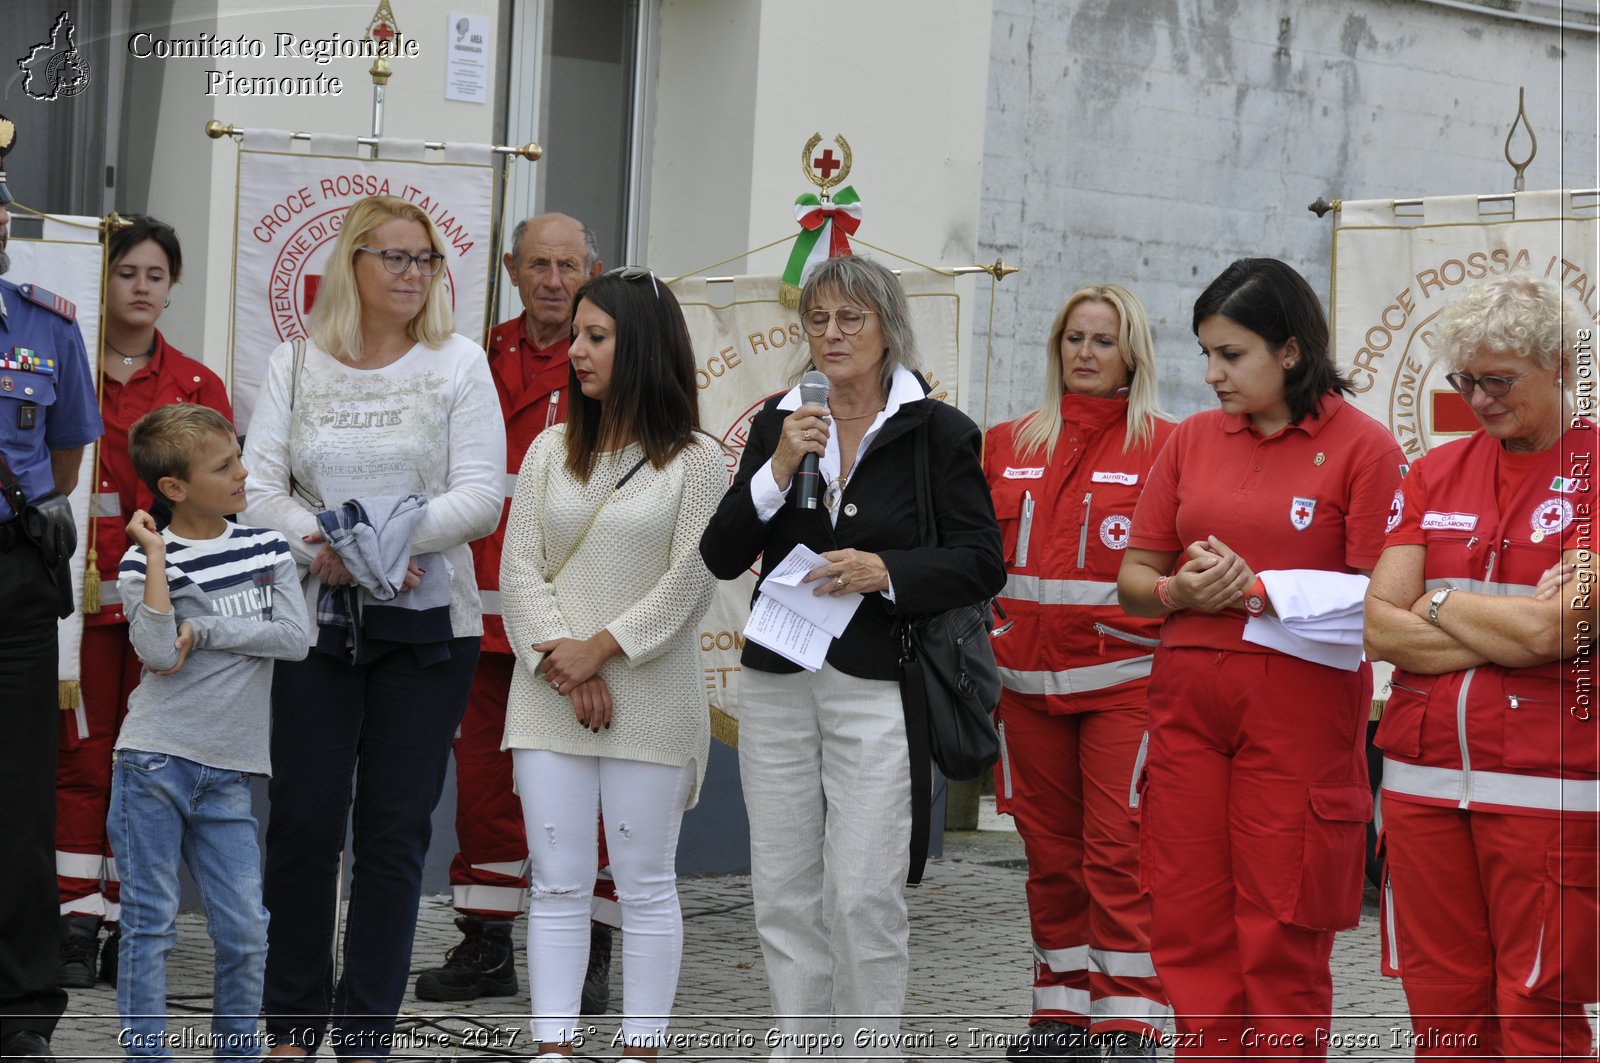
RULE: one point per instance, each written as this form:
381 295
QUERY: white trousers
827 785
562 796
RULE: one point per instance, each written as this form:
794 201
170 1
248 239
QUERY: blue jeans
163 809
368 745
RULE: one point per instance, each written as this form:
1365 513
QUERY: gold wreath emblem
826 163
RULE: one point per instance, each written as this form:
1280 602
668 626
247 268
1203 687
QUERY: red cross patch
1301 511
1397 509
1114 531
1551 516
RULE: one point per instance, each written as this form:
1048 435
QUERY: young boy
209 606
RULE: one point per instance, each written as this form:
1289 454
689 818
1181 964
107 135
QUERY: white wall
1152 143
742 87
192 177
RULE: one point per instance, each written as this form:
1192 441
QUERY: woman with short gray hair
823 753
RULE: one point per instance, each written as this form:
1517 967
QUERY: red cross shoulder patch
1300 512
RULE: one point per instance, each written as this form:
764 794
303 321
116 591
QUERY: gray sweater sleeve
286 636
154 635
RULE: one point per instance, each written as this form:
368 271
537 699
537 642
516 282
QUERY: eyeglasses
397 261
1493 386
850 320
635 273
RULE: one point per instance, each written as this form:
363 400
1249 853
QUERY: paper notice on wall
466 62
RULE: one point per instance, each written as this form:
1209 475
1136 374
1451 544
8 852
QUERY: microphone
808 479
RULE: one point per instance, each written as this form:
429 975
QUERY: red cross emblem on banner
826 163
1301 511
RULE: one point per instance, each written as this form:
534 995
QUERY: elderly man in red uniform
551 256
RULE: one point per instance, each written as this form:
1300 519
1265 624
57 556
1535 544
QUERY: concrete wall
742 86
1152 143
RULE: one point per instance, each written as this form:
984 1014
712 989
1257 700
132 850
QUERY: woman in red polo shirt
1253 539
139 371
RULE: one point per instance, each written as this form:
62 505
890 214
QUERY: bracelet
1164 596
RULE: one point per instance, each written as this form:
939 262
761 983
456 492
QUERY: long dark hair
1270 299
652 396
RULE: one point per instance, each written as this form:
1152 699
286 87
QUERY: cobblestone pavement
968 988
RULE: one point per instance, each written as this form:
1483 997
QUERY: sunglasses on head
1493 386
635 273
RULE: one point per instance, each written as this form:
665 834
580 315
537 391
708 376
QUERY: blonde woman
1074 671
384 400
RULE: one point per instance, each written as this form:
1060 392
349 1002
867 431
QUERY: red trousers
489 874
86 879
1252 849
1067 780
1493 921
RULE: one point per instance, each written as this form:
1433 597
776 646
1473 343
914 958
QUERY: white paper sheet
791 619
787 633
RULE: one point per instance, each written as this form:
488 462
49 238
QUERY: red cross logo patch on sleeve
1397 509
1114 531
1300 512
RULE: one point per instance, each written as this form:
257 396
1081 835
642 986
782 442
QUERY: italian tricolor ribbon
838 220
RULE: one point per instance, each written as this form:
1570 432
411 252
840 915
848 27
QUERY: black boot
80 941
1052 1039
597 979
483 965
108 954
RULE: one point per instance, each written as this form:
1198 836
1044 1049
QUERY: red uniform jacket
530 404
1495 738
1072 648
170 377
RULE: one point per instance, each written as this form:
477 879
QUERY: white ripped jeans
562 795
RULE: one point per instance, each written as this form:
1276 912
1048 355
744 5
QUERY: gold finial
826 163
385 30
1533 143
998 269
216 130
530 151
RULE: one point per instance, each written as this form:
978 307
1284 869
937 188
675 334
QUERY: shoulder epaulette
49 300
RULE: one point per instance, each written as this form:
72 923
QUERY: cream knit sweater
636 573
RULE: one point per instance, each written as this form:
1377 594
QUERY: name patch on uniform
1449 521
1024 474
1115 478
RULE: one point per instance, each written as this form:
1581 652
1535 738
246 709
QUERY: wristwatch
1255 599
1435 602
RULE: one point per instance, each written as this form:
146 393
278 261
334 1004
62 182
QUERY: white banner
1394 270
747 346
290 206
66 261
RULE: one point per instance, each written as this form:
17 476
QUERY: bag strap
594 517
912 695
297 488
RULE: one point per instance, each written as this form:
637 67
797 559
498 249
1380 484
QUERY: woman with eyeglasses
823 754
603 590
383 401
1484 601
139 371
1066 477
1251 541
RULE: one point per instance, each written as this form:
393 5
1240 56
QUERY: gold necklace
859 416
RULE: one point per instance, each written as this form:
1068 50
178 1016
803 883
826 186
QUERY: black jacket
965 568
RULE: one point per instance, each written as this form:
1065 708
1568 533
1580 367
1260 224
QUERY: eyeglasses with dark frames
397 261
1493 386
635 273
850 319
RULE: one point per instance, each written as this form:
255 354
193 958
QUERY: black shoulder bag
948 680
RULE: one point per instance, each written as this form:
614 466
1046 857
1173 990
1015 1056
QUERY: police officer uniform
47 403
